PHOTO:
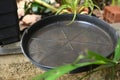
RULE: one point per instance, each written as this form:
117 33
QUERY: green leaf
62 8
27 7
117 52
95 56
91 9
59 71
86 2
35 7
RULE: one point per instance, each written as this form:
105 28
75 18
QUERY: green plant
67 6
70 6
115 2
98 59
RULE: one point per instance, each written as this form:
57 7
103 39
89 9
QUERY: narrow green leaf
91 6
95 56
73 19
59 71
117 52
61 8
86 2
91 9
25 5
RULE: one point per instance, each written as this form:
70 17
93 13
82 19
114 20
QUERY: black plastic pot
9 24
52 42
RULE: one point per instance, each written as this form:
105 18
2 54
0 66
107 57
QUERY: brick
112 14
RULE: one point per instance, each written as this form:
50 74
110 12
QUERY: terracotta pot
112 14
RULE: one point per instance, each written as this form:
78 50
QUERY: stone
30 19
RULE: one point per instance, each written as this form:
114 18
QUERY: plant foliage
36 8
67 6
76 7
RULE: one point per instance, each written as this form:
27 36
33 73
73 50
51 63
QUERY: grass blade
117 52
